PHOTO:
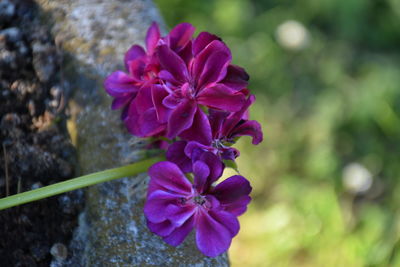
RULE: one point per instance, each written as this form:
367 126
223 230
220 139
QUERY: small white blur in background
357 178
292 35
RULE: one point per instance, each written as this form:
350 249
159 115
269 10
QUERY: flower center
199 200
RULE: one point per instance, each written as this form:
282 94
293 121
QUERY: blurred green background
326 74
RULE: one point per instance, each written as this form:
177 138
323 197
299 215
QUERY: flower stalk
79 182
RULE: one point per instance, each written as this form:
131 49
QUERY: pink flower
175 207
205 78
138 63
226 128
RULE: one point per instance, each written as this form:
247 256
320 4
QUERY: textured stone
93 35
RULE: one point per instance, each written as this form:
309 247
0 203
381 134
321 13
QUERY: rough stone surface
35 149
112 231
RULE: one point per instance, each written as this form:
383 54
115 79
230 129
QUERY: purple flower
141 71
132 91
226 128
175 206
167 88
203 78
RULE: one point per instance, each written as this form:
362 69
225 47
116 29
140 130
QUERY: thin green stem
79 182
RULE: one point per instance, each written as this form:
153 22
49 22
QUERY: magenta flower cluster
185 90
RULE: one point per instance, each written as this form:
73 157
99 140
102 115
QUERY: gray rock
7 11
94 35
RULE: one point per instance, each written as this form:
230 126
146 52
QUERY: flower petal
152 38
180 35
249 128
202 40
149 123
131 117
155 208
212 237
135 52
180 233
227 219
158 95
137 69
186 53
211 64
119 102
237 207
176 154
217 118
200 130
214 164
170 177
181 118
119 84
171 62
192 146
171 101
234 118
221 97
233 193
236 78
178 215
143 100
167 77
201 173
163 228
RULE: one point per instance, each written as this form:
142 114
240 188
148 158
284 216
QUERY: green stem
79 182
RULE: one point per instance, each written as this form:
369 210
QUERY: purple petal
137 69
180 233
171 101
120 102
202 40
186 53
229 153
180 36
143 100
234 118
158 94
193 146
181 118
212 237
214 164
176 154
120 84
232 189
152 38
217 118
237 207
167 77
178 215
236 78
170 177
163 228
149 123
200 130
131 116
171 62
201 173
227 219
155 208
221 97
211 64
213 202
135 52
249 128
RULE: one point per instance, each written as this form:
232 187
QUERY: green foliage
328 102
